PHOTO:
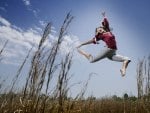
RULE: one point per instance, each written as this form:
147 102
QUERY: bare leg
124 67
88 56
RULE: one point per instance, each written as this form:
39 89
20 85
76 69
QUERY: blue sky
21 22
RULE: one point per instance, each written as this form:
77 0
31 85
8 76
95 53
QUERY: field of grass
15 103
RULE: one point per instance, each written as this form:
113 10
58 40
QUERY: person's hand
103 14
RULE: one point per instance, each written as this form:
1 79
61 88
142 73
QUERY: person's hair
99 27
106 29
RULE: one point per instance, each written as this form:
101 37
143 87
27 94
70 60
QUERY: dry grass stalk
140 78
19 70
36 65
63 82
55 48
1 51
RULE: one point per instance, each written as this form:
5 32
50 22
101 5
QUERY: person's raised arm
85 43
105 22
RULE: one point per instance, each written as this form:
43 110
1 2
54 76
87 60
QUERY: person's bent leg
124 67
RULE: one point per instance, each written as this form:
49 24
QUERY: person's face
100 30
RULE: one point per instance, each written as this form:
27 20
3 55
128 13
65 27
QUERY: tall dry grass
3 48
143 82
44 65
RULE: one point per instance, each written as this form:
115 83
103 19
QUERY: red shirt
108 38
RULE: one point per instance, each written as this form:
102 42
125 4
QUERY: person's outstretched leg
101 55
88 56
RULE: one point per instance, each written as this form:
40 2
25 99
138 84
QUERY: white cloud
27 2
42 23
35 12
69 43
21 41
4 22
3 9
29 6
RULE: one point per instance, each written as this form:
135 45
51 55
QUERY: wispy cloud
3 9
21 41
27 2
4 22
42 23
29 6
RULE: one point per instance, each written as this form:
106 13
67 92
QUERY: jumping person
104 33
